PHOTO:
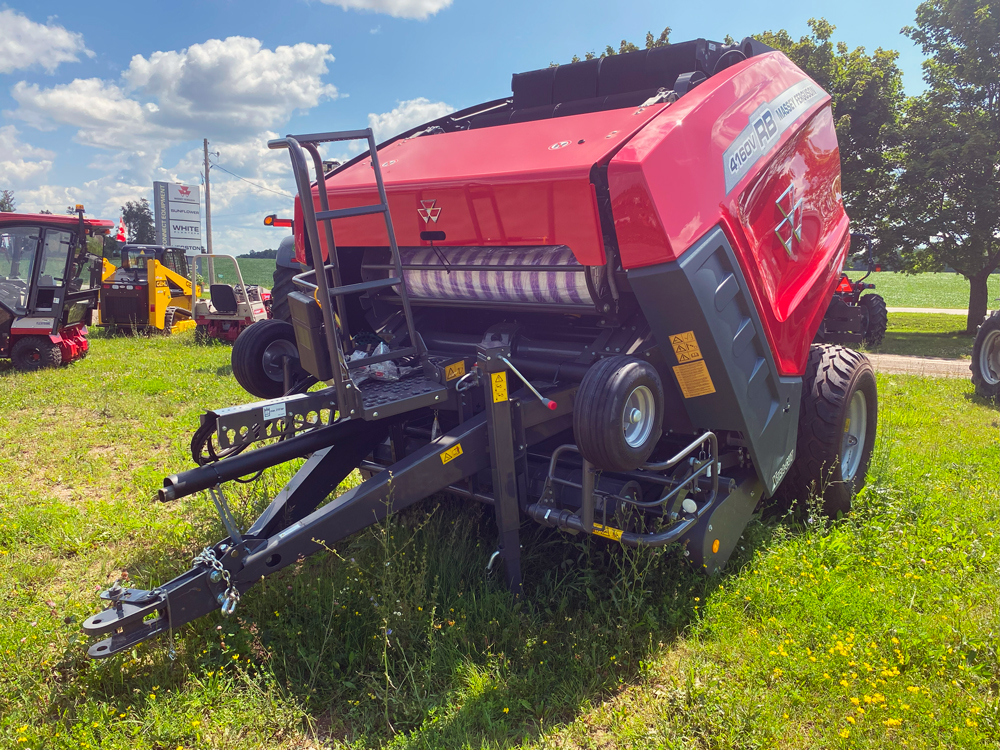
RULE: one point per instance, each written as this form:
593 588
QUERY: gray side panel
706 292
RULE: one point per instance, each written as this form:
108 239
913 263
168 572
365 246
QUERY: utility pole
208 218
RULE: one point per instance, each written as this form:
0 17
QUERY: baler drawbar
560 304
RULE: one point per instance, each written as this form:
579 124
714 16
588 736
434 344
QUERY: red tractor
853 317
50 279
592 305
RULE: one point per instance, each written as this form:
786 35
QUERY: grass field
927 335
881 629
945 290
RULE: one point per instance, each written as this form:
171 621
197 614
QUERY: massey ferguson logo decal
184 190
765 127
428 212
789 229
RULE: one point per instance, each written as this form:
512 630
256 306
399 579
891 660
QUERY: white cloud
228 90
399 8
25 44
21 164
407 115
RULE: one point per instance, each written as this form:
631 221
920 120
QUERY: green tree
867 93
138 220
625 46
7 202
947 207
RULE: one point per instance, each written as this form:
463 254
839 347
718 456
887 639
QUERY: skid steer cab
50 278
229 308
591 305
146 288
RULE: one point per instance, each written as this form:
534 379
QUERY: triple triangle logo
428 212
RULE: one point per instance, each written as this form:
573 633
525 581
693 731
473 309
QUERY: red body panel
674 172
55 220
668 188
521 184
72 342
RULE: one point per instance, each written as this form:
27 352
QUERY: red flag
121 231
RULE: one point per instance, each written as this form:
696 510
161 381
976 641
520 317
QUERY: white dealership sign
177 212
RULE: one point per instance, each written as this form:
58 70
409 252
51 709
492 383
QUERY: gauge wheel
257 357
618 415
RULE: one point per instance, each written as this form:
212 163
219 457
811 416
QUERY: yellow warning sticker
694 379
455 370
499 381
685 347
452 453
608 532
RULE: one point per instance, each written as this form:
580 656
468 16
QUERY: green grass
400 639
944 290
927 335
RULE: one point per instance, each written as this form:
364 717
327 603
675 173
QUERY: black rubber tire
988 331
833 374
34 353
878 319
201 334
248 356
279 293
599 412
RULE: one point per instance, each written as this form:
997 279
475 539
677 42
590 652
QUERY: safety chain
231 597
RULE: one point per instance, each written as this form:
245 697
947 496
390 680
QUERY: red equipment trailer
49 283
595 303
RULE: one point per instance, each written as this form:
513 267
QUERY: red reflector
844 285
152 308
878 269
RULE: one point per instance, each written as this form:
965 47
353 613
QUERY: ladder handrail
296 145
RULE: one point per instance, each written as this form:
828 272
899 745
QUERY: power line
261 187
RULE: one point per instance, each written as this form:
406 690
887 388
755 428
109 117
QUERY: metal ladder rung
364 286
346 213
408 351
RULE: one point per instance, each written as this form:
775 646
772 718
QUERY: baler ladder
341 367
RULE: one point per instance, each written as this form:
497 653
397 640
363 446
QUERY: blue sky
97 102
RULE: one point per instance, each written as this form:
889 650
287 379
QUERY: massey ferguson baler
593 305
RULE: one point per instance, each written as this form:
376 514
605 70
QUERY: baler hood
520 185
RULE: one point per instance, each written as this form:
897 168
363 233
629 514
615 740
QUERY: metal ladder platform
372 399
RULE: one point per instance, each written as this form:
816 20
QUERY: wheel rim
855 430
638 416
989 358
273 355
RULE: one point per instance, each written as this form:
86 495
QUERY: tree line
920 174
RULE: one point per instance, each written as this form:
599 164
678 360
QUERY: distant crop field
943 290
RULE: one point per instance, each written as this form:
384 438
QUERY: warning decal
685 347
452 453
499 382
608 532
694 379
455 370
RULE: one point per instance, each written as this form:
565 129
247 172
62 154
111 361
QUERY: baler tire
282 287
33 353
248 356
986 358
834 374
599 422
878 319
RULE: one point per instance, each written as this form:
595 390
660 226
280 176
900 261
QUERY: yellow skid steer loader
151 290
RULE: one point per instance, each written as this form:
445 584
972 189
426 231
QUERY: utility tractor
50 277
149 290
229 309
591 304
853 317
